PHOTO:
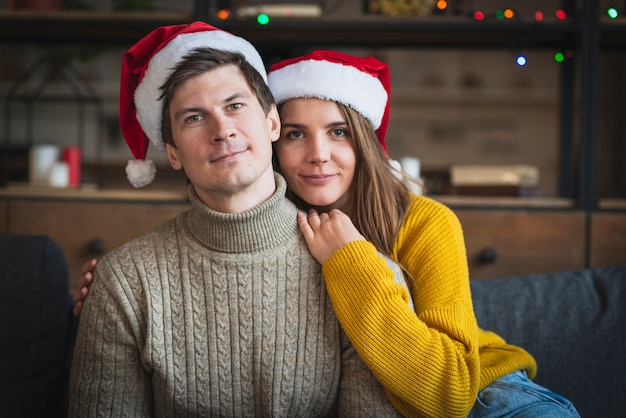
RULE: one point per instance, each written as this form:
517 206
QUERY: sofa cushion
36 327
573 323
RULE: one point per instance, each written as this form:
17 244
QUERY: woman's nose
319 151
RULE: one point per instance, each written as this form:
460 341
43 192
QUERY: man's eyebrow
235 96
188 110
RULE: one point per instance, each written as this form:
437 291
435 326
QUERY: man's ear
273 120
173 157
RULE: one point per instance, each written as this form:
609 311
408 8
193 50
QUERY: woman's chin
321 205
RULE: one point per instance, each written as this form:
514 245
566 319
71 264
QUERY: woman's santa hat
145 68
360 83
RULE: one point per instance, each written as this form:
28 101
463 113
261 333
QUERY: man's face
223 139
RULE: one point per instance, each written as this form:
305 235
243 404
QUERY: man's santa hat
360 83
145 68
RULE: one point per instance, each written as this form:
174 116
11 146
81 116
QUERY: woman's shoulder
427 206
429 217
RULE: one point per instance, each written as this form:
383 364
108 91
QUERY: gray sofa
574 323
37 327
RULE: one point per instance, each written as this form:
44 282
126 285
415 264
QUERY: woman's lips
318 179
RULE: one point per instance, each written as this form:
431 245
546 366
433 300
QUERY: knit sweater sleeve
107 377
428 359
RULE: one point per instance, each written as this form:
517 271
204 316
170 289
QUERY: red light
561 15
478 15
539 16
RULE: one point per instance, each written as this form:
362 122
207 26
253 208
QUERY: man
222 311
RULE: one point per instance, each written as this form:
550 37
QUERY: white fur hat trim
342 83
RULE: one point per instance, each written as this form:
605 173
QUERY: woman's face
315 152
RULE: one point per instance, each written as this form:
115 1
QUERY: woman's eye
339 132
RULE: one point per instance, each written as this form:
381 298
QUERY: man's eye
236 106
294 135
194 118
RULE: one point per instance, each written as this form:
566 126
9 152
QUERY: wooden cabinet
503 243
500 242
86 229
608 239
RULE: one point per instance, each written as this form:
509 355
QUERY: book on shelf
494 180
278 8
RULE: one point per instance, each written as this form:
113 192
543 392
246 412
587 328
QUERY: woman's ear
273 119
173 157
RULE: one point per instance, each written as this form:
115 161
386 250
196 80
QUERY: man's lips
227 157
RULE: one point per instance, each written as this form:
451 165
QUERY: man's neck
242 200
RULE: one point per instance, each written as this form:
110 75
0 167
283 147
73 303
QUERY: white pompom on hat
362 83
145 68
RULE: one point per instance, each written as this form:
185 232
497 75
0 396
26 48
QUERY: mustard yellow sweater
433 363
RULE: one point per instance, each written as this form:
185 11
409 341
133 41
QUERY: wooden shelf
480 202
89 192
92 27
378 31
374 31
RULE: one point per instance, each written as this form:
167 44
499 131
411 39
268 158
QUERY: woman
431 357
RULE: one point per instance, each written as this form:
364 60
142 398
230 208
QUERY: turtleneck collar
270 224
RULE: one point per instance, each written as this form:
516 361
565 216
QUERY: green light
559 57
263 19
612 12
499 14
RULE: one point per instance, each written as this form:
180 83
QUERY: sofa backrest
36 327
573 323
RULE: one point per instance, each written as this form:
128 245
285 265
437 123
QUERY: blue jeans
515 395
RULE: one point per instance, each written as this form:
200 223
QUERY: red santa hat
146 66
360 83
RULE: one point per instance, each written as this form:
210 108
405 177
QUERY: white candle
41 159
411 166
60 175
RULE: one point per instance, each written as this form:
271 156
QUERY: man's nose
222 128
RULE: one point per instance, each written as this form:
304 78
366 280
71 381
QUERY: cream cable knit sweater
217 314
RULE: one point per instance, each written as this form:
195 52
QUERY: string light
560 14
223 14
508 13
562 56
263 19
442 5
612 13
539 16
478 15
521 60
